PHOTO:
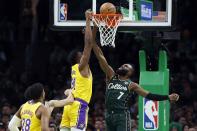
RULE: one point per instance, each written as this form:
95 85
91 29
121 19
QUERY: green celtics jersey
117 94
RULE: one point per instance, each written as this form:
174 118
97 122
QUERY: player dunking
75 116
118 91
33 115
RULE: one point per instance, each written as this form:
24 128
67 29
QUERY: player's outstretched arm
88 43
61 103
15 122
101 58
140 91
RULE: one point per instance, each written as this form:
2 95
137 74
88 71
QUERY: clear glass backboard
137 14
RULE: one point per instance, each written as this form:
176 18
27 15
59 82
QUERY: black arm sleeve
156 97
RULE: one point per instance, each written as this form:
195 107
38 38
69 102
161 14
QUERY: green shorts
118 121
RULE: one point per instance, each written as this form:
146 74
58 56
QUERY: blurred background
31 52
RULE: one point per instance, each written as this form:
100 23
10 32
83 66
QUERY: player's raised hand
174 97
67 92
88 14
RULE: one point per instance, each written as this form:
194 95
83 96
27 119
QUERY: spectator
5 120
185 128
52 127
182 121
6 109
2 127
192 129
174 126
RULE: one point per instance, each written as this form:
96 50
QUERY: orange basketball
107 8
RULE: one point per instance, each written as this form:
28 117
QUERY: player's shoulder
21 107
133 85
114 77
24 105
41 109
42 106
75 67
109 79
130 81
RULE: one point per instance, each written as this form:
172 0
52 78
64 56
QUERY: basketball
107 8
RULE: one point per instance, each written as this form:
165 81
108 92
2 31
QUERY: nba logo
146 10
63 12
150 114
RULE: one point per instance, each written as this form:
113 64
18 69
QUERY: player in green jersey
118 90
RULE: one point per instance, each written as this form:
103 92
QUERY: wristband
156 97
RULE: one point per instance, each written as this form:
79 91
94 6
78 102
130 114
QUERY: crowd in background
30 52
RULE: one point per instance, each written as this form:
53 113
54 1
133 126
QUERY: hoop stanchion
107 24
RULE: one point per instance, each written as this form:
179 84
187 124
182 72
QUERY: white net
107 25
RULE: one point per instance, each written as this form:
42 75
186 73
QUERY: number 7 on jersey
121 94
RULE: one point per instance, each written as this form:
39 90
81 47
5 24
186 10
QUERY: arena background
30 52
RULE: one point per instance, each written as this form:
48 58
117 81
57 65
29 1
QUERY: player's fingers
175 95
89 11
94 23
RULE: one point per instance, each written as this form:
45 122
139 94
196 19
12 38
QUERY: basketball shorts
75 115
118 121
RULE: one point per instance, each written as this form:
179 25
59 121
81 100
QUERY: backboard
137 14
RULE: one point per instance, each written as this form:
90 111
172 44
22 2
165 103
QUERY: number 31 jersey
117 94
30 122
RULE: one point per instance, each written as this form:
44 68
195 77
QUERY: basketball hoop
107 24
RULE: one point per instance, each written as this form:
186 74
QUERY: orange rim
107 15
111 21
